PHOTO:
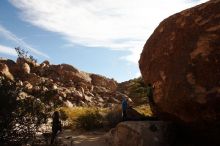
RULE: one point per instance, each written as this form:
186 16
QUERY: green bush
19 117
89 120
113 116
92 118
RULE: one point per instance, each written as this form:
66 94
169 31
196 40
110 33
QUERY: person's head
56 114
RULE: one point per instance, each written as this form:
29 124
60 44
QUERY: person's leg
152 105
124 115
53 136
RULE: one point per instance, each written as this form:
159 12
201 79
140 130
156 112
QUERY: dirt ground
82 138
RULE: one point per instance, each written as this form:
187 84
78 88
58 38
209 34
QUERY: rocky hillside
30 92
60 84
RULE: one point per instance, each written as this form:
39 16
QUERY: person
149 90
150 93
56 125
124 109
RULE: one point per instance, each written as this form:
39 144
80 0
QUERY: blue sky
97 36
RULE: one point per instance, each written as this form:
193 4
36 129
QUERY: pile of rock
61 84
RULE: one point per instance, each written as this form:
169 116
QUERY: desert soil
80 138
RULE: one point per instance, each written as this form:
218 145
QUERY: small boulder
26 68
4 70
68 104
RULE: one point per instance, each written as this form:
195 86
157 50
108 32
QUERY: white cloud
7 50
113 24
10 36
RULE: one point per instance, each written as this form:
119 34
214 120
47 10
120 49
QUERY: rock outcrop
20 61
61 84
98 80
145 133
182 61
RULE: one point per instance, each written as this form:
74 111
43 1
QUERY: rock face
182 60
145 133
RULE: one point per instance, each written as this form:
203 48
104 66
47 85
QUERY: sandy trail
93 138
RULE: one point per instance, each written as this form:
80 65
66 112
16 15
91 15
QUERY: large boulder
68 67
20 61
102 81
142 133
13 67
8 62
46 62
182 60
26 68
64 73
4 70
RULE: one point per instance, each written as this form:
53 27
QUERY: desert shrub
144 109
21 52
19 117
8 106
74 113
24 54
63 115
89 120
113 116
135 89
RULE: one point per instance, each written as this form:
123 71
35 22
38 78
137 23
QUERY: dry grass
79 116
88 117
113 116
144 109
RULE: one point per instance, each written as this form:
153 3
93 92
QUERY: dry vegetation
135 89
144 109
89 118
